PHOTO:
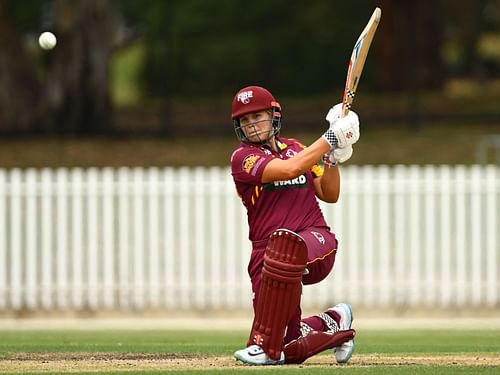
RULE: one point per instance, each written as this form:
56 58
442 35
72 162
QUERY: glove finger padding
346 130
334 113
341 155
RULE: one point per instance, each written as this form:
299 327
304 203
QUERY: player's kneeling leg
284 263
315 342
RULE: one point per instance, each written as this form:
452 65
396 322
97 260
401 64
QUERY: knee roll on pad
284 262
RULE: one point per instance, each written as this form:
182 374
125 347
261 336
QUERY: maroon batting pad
284 264
315 342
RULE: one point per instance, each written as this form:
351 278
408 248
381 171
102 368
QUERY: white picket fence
141 239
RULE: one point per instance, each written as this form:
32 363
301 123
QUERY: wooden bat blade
358 58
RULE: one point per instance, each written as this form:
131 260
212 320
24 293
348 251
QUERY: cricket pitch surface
108 362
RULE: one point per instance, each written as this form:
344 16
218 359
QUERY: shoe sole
242 359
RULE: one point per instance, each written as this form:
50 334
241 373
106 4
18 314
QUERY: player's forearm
330 184
291 168
305 159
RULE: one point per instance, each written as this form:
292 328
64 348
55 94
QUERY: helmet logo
245 96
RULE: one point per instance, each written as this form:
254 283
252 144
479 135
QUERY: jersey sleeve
247 165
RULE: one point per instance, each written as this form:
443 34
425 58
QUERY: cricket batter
278 180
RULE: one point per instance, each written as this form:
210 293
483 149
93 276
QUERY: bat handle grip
345 108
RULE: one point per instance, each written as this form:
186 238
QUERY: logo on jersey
290 153
245 96
319 237
249 162
295 183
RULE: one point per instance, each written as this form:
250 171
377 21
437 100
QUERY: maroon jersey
289 204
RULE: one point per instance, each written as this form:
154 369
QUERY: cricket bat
357 60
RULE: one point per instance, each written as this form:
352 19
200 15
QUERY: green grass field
191 352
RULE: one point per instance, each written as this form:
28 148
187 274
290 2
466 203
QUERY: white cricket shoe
344 352
255 355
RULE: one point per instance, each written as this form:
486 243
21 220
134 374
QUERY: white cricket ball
47 40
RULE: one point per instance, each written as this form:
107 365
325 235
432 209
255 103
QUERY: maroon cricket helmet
253 99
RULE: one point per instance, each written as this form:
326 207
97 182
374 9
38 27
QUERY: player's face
257 126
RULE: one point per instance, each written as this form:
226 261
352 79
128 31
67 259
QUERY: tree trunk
409 42
78 84
71 95
20 92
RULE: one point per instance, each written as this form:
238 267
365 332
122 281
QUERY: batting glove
338 155
343 131
334 113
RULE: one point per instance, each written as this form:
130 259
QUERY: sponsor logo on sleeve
249 163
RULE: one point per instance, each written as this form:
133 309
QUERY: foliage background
148 82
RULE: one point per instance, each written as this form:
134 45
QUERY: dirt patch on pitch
106 362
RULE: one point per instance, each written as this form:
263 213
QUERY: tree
71 94
408 45
20 88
